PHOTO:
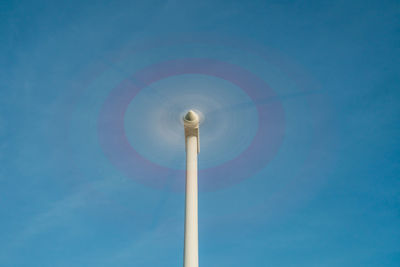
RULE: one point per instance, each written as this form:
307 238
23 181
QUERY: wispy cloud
59 213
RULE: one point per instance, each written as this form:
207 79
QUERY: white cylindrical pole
191 246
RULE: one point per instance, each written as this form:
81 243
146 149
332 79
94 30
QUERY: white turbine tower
191 247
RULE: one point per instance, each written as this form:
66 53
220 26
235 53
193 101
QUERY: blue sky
324 191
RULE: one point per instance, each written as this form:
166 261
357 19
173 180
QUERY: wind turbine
191 246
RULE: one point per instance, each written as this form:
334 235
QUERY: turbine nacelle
191 123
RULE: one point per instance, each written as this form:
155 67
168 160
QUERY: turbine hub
191 118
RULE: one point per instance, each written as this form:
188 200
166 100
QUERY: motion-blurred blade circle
263 145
